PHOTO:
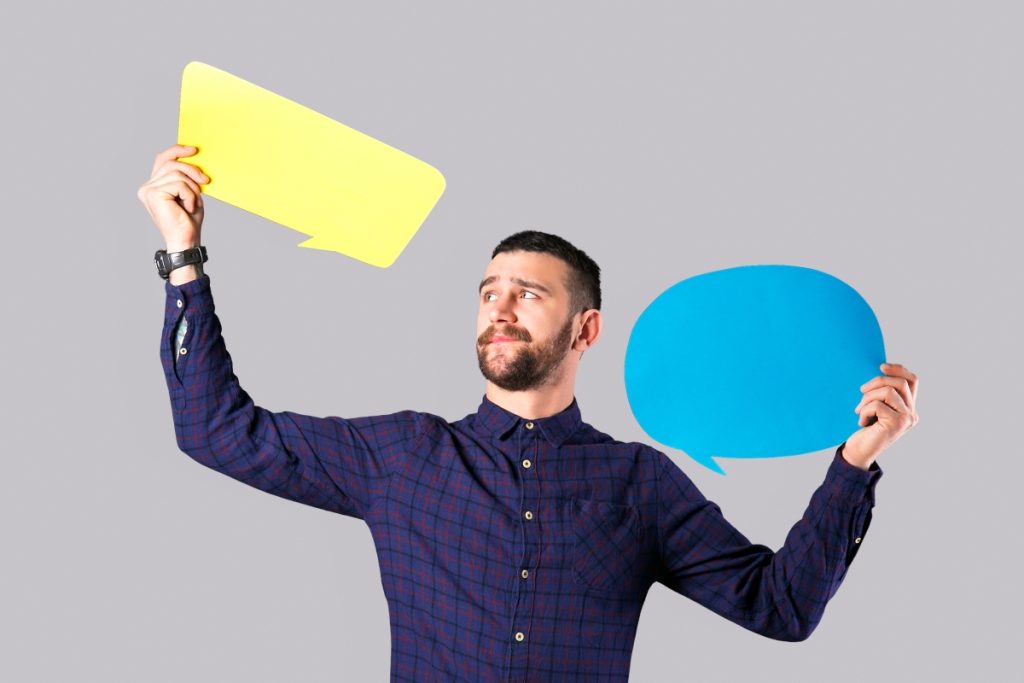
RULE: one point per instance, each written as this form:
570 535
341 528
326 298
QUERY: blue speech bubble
752 362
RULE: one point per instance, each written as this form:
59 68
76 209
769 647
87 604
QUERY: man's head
582 274
542 294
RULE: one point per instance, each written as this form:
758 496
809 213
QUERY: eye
490 294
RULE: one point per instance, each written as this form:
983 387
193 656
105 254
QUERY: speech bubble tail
708 462
319 242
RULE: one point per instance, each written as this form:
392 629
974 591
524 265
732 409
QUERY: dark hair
584 281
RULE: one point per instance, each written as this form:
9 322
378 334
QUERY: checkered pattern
511 549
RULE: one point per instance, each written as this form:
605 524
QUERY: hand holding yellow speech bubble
347 191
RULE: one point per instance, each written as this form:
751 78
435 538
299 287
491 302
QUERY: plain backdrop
878 141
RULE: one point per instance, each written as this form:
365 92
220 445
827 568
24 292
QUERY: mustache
511 332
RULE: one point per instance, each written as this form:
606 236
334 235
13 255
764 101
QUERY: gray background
878 141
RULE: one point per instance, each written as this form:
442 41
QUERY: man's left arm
782 594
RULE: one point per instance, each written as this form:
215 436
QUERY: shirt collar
494 420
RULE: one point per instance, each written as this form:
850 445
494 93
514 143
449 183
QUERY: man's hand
890 399
174 199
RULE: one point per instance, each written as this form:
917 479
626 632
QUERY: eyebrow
519 281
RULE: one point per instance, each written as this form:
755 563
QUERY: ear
590 330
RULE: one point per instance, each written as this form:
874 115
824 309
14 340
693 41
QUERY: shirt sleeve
779 594
336 464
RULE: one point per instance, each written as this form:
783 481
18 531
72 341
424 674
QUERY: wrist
853 458
180 276
182 245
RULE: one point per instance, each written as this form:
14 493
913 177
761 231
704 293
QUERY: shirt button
857 540
183 350
525 573
180 304
519 636
529 425
528 514
526 464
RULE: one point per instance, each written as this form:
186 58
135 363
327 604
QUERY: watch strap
166 262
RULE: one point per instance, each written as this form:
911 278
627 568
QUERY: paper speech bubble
752 362
347 191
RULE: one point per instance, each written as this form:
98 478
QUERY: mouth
498 339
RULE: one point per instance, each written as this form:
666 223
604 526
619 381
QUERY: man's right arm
336 464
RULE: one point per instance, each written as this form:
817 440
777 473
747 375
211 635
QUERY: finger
172 152
168 186
190 170
912 379
887 394
878 410
184 189
171 176
901 371
897 383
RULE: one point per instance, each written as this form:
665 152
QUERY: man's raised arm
779 594
332 463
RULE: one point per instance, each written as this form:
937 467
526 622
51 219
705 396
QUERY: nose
502 311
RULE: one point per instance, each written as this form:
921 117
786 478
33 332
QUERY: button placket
531 533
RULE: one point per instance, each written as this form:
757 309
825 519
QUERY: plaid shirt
511 549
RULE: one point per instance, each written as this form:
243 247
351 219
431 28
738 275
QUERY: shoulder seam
421 433
419 418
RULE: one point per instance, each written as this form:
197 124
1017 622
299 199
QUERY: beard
526 367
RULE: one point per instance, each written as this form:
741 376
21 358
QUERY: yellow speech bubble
347 191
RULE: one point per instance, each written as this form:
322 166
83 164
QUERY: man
518 543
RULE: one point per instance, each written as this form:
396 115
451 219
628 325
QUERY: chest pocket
606 543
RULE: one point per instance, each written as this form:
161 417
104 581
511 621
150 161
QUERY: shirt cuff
851 484
193 296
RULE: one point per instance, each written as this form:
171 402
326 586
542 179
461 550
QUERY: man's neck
532 404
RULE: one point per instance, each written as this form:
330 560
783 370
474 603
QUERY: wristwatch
165 262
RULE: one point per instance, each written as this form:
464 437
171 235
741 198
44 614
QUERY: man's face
524 330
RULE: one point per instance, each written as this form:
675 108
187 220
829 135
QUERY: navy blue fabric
511 549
